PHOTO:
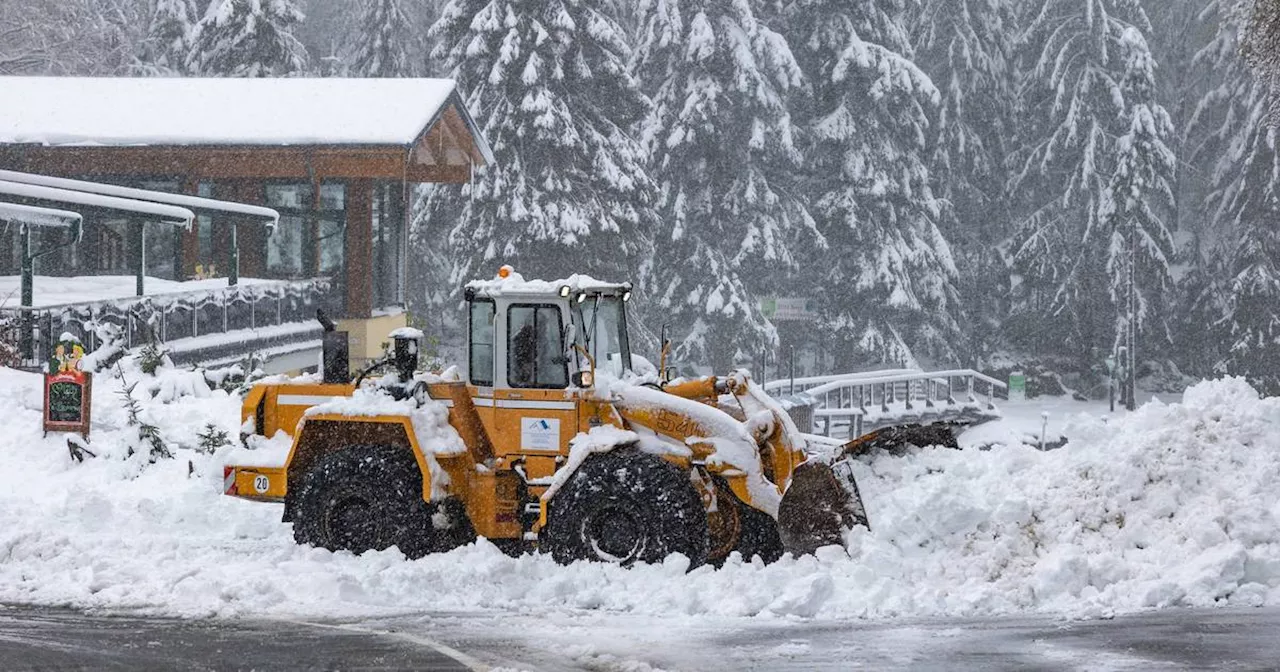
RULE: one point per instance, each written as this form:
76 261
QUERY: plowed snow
1173 505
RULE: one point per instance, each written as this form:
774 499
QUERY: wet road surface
1223 639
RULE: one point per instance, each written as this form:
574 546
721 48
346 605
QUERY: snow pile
1172 505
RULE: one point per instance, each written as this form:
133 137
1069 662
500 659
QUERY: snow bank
1171 505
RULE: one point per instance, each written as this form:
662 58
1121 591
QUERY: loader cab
526 370
531 336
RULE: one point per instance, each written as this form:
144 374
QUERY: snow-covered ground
1172 505
49 290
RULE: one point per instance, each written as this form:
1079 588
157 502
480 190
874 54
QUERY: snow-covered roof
168 213
515 284
181 200
115 111
37 216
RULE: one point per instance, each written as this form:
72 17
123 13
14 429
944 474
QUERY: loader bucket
822 504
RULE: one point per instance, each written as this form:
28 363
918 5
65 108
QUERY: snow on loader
548 442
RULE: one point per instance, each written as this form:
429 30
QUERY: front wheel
624 507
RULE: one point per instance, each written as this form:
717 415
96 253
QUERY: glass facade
388 245
310 240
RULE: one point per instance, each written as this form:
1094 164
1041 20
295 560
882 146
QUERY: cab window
535 349
480 359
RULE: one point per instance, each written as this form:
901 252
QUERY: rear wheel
365 498
624 507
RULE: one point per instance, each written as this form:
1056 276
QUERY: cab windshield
602 330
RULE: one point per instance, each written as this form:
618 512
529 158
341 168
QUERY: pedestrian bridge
853 404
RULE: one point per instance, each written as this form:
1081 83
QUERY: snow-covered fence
863 402
172 317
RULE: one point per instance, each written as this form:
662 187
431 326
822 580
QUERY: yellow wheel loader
548 441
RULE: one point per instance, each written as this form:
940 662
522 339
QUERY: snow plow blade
896 440
821 504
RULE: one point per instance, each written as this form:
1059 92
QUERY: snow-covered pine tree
247 38
1090 81
1221 88
72 37
165 49
568 191
1135 204
1241 242
966 47
721 143
1252 319
1260 42
383 47
888 280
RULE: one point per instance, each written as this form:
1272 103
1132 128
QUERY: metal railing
32 332
864 402
789 386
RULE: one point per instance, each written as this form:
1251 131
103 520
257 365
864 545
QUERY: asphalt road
52 639
58 640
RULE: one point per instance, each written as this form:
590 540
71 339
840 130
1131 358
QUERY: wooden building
336 157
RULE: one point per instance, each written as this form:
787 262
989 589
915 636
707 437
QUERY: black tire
364 498
624 507
758 535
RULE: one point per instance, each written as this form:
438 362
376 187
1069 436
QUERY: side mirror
583 379
668 374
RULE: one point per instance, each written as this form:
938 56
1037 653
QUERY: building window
208 263
112 247
535 348
311 238
388 245
480 361
331 239
284 247
162 243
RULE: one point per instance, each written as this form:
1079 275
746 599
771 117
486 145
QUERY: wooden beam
220 163
191 237
438 173
359 272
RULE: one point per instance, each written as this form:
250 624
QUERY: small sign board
1017 386
68 391
539 434
788 309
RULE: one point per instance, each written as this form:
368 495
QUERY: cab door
482 369
534 413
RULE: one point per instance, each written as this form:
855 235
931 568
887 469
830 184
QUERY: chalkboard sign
68 391
68 397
